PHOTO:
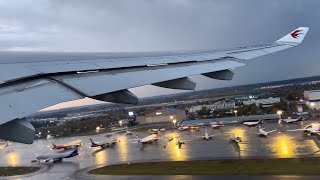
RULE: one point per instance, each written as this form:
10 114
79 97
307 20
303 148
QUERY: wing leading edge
107 77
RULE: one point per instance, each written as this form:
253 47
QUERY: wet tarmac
278 145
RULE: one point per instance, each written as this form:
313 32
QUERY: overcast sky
164 25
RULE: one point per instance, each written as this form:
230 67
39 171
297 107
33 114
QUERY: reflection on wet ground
279 145
13 158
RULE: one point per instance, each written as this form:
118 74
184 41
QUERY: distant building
214 106
312 95
312 99
255 96
265 102
162 116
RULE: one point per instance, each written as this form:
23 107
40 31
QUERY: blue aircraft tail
93 143
73 153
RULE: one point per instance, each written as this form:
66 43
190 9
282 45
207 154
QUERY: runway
277 145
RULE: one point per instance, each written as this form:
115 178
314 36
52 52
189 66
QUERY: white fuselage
291 120
56 156
251 123
263 132
313 128
149 139
183 128
206 136
216 126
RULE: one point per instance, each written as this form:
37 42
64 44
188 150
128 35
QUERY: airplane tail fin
295 36
53 146
74 153
260 121
92 143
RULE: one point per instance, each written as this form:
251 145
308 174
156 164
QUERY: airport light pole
235 112
312 104
279 112
120 122
174 122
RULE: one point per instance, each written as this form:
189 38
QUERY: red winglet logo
295 34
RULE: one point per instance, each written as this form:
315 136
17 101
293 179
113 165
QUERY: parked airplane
129 132
47 78
67 146
149 139
58 156
252 123
102 145
170 139
289 120
207 136
217 125
235 138
180 142
262 132
4 144
183 128
156 131
312 129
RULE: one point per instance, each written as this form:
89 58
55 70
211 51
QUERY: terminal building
163 116
312 99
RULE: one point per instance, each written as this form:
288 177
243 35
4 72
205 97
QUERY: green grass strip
13 171
304 166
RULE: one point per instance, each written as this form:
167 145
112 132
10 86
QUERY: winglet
295 36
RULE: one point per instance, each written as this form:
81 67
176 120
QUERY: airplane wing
272 131
31 81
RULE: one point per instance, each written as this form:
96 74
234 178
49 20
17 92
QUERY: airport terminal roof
234 119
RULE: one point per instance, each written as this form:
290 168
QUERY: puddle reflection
175 153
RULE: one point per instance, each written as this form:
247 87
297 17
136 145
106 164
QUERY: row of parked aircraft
71 149
217 125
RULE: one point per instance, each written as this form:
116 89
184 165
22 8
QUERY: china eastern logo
295 34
